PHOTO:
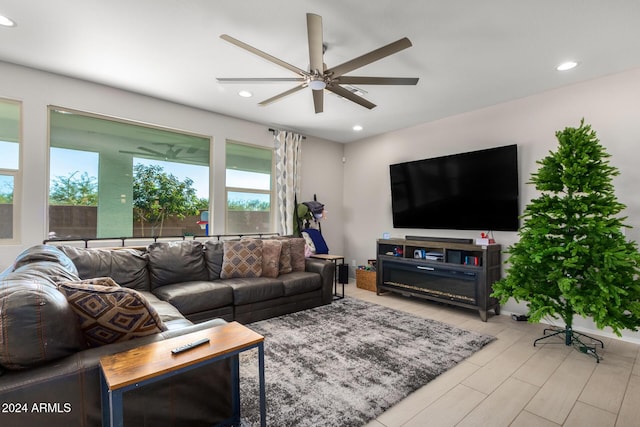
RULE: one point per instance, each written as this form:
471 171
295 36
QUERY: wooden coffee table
146 364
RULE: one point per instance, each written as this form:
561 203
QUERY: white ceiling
468 54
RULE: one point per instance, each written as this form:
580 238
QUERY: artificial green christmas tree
572 257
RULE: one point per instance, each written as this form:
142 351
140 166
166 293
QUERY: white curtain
288 149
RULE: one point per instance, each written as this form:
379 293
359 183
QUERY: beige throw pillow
271 250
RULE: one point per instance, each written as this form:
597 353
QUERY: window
10 112
248 188
112 178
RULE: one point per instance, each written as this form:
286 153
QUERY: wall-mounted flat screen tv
477 190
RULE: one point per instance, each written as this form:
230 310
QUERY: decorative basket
366 279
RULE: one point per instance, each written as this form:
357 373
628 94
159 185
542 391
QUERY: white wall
323 175
37 90
611 105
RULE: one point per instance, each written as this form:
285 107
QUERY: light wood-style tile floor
512 383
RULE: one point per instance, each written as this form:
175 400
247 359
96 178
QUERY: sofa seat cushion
110 314
36 323
176 262
128 267
196 296
169 315
300 282
246 291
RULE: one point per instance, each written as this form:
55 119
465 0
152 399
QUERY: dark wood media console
452 272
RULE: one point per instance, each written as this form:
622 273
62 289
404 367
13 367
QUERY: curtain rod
273 131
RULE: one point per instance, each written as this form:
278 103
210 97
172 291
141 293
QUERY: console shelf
452 272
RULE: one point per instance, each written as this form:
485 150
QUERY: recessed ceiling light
6 22
245 94
567 66
357 128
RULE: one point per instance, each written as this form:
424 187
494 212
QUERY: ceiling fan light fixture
317 84
357 128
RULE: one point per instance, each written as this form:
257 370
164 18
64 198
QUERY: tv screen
477 190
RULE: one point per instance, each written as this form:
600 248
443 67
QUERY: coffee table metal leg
112 411
115 404
104 396
235 389
263 401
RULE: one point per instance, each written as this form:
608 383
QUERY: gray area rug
345 363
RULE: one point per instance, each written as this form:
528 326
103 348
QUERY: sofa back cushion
174 262
45 253
47 271
128 267
109 313
213 256
37 324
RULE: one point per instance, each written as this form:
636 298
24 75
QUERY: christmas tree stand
573 338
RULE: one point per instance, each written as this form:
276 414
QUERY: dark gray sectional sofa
48 373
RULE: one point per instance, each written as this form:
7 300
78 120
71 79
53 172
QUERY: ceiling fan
170 154
319 77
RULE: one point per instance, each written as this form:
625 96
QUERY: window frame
122 121
271 192
16 174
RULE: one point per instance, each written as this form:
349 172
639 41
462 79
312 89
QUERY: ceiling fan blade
314 34
318 100
283 94
377 80
150 151
339 90
261 80
264 55
370 57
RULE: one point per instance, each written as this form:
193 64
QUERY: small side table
152 362
334 259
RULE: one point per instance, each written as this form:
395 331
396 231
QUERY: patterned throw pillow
242 258
109 313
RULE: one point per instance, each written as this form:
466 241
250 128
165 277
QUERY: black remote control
189 346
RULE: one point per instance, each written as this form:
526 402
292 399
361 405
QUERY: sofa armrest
71 386
327 271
